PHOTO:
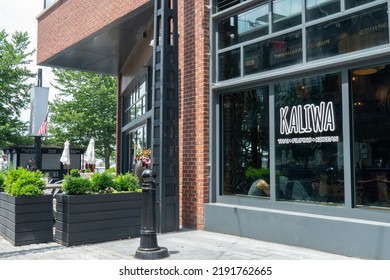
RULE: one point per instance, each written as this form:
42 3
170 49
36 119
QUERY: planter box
26 219
85 219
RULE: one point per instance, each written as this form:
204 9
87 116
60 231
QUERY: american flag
43 129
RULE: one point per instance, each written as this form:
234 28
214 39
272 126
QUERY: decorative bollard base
156 254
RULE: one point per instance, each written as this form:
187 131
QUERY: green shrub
2 179
102 182
74 173
111 170
126 182
76 185
22 182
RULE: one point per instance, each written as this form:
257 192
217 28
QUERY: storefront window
371 126
354 3
286 14
245 26
134 102
309 142
356 32
229 65
316 9
246 143
275 53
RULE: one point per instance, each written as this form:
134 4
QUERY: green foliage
102 182
14 87
85 107
22 182
126 182
2 179
74 173
105 182
76 185
111 170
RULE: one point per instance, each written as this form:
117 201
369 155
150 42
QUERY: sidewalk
183 245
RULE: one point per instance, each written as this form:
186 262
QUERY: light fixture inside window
368 71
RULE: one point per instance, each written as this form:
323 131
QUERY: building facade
282 115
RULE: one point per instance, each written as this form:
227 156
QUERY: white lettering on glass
306 119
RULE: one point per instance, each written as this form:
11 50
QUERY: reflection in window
229 65
371 125
274 53
246 142
246 26
309 145
354 3
356 32
316 9
286 14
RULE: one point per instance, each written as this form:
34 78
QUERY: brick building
273 116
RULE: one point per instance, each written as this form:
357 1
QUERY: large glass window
354 32
229 65
134 102
246 143
286 14
309 142
316 9
250 31
243 27
275 53
370 88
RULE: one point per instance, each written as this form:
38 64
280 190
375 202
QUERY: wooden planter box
85 219
26 219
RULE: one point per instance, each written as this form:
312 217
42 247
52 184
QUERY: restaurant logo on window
307 119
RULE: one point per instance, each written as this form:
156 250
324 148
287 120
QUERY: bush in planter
102 182
109 211
27 213
74 173
127 183
22 182
76 185
2 179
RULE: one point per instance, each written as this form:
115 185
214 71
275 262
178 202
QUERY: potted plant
26 213
97 209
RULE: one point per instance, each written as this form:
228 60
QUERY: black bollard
148 249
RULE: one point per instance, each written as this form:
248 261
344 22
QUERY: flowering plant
144 157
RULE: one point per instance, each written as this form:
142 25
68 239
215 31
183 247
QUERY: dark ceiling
106 50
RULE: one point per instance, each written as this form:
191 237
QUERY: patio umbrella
90 153
65 157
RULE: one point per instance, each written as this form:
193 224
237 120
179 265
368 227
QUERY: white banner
38 108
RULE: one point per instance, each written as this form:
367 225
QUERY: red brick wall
194 110
81 18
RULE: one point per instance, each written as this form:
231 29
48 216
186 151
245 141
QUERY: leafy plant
102 182
22 182
2 179
74 173
126 182
76 185
111 170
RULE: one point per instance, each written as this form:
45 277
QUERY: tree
84 108
14 87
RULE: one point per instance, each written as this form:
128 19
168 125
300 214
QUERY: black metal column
165 114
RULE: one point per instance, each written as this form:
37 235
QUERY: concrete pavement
183 245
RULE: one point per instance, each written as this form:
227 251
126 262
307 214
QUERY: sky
21 15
